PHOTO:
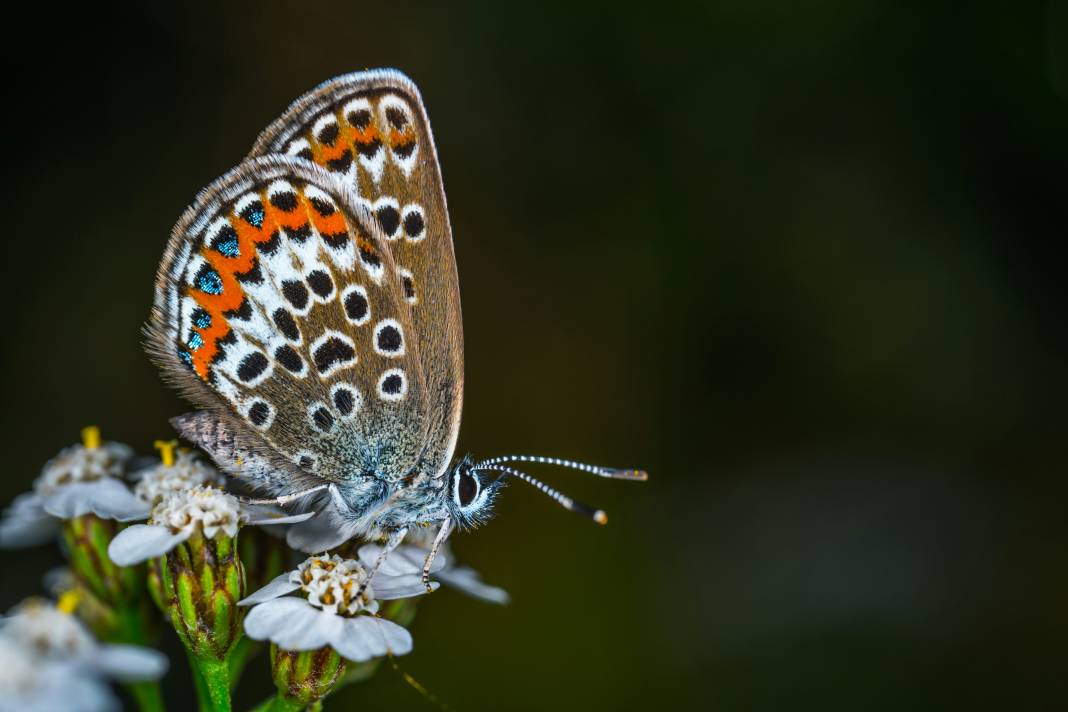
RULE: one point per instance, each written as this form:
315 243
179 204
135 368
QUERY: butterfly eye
467 488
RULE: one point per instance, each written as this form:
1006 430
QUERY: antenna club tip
600 517
641 475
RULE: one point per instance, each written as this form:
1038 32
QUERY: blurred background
802 261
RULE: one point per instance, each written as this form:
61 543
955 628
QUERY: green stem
148 696
203 699
216 676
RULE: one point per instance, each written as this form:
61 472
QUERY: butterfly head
470 493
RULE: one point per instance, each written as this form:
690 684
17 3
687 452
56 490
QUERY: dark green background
803 261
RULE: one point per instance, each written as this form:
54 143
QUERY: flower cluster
48 660
168 537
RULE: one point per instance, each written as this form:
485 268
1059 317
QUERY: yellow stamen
68 601
166 450
91 437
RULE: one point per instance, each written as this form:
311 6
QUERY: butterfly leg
287 498
392 543
443 534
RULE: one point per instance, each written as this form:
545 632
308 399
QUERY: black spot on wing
389 339
322 207
328 134
392 384
259 412
288 357
243 311
323 419
341 163
286 324
356 306
320 283
253 276
286 201
344 401
299 234
360 118
295 293
388 219
252 366
271 246
332 352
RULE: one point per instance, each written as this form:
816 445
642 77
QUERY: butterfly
308 303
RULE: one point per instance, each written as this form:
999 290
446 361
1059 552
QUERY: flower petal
388 588
365 637
108 498
111 499
468 581
316 535
417 556
408 561
291 623
26 523
142 542
130 663
279 586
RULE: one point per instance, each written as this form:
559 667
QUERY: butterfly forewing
278 298
370 130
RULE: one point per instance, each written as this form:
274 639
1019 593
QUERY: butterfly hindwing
371 131
279 307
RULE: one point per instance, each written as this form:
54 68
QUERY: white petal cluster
186 473
207 507
180 514
48 660
79 463
80 480
327 610
333 584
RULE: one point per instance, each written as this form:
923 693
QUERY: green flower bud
304 678
200 582
87 538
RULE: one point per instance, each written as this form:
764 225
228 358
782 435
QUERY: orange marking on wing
366 135
328 225
401 138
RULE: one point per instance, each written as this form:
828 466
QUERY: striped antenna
614 473
562 499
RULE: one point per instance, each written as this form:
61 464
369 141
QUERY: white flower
49 634
26 523
186 472
81 479
181 513
328 610
48 661
30 684
463 578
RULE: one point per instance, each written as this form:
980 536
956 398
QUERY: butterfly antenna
562 499
615 473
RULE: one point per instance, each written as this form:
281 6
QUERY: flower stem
216 677
148 696
203 699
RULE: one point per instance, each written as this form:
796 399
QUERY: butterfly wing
279 309
370 129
